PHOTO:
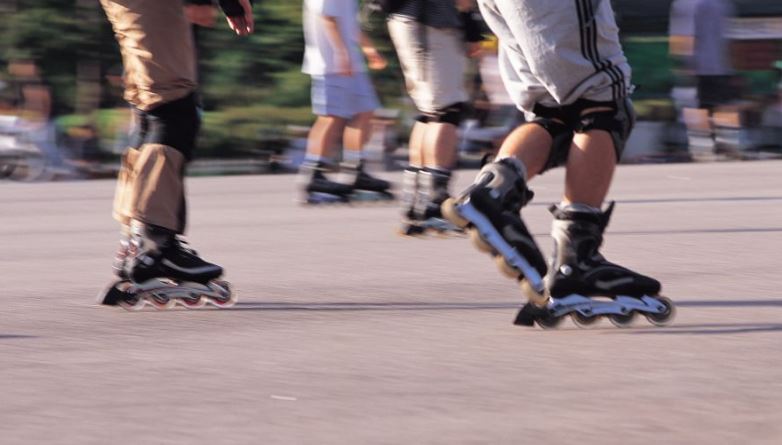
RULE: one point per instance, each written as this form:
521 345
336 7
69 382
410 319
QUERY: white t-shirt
318 50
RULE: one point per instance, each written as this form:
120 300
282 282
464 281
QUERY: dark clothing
434 13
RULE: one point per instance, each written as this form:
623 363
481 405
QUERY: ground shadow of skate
378 306
709 329
13 336
729 303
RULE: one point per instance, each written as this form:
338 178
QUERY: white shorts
553 53
433 62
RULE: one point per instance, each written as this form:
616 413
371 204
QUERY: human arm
341 52
375 60
238 13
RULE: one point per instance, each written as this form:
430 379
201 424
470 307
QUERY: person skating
432 39
154 264
343 99
564 67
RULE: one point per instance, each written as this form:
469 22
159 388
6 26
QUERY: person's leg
156 43
323 137
589 169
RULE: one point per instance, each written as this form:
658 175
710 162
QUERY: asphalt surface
347 333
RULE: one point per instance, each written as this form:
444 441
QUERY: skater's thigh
433 63
156 42
571 49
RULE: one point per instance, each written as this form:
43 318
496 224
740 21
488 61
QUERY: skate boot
365 187
490 209
120 258
318 189
161 270
585 285
410 216
432 192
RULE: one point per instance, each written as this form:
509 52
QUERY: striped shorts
553 53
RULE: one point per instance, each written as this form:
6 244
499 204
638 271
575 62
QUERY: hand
343 62
201 15
474 49
465 5
376 61
242 25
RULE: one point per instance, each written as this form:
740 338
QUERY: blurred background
708 76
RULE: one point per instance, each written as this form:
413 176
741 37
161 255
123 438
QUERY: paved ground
349 334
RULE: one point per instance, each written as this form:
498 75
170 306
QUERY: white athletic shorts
553 53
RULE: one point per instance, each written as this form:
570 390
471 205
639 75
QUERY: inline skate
157 268
584 285
424 192
490 211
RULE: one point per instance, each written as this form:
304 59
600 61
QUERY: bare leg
356 132
416 145
590 168
529 143
440 145
323 136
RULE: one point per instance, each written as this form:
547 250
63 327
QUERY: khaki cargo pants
158 57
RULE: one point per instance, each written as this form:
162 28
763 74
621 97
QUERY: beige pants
158 53
433 62
158 56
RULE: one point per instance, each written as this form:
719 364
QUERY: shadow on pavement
358 306
711 329
12 337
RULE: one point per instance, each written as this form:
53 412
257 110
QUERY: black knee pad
561 139
174 124
618 122
452 114
139 129
422 118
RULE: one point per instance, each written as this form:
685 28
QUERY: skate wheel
161 303
479 242
665 317
227 297
622 320
448 208
132 303
195 301
583 321
506 269
549 321
412 230
533 296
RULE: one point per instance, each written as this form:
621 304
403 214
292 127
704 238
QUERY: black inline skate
317 188
490 210
425 191
586 286
365 187
159 269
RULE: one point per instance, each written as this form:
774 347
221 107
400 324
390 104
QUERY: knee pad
561 139
422 118
139 128
452 114
618 122
174 124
